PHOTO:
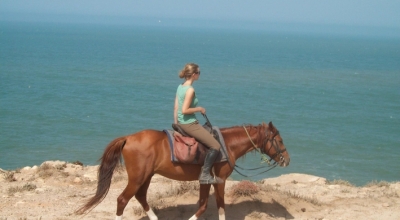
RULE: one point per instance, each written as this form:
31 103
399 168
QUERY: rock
39 190
333 186
295 178
91 177
27 168
54 164
77 180
40 180
19 203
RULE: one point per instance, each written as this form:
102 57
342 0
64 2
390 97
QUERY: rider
184 115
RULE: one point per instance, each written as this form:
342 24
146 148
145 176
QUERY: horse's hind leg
125 196
135 186
141 196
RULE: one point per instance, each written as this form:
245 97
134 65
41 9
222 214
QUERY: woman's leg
202 135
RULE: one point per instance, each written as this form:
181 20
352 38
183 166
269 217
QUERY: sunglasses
198 73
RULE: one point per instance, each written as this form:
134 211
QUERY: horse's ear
271 127
270 124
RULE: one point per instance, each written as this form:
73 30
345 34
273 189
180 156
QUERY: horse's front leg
203 200
219 196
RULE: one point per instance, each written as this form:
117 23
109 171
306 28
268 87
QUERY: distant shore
54 189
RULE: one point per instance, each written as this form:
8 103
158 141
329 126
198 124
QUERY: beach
55 189
68 90
75 77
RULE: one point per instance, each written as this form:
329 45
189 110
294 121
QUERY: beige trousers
200 134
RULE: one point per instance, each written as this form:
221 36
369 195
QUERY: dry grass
9 176
27 187
267 188
61 166
78 163
155 204
45 171
294 195
244 188
119 178
24 218
270 188
378 184
339 182
120 173
192 187
345 191
158 201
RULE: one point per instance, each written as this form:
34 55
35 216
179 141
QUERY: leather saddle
178 129
186 149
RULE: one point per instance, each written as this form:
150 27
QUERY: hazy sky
381 13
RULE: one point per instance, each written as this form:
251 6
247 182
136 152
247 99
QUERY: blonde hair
188 70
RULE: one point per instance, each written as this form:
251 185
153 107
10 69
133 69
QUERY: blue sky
379 13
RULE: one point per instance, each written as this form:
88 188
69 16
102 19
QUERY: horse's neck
237 140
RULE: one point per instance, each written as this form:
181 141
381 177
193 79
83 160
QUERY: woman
184 115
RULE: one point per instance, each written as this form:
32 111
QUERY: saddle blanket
201 149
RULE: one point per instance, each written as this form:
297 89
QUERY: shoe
205 176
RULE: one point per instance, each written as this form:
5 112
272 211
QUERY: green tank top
181 93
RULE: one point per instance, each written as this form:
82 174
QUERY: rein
263 157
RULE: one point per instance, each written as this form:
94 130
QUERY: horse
147 152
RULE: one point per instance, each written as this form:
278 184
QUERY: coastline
54 189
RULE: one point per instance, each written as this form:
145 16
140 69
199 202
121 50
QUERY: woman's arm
176 110
186 104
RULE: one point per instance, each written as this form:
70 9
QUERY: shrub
27 187
339 182
45 170
244 188
378 184
188 187
78 163
9 176
61 166
294 195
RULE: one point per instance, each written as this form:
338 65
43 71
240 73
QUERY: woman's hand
202 110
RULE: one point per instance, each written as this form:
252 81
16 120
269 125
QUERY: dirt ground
55 189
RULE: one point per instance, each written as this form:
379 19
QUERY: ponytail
188 70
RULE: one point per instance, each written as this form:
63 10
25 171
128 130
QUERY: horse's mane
241 127
260 129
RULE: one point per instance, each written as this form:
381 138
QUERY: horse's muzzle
284 162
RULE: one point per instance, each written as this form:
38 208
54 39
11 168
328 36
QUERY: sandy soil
55 189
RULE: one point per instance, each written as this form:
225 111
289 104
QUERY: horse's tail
109 161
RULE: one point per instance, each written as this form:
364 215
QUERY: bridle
263 152
278 151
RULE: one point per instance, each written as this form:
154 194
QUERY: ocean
67 90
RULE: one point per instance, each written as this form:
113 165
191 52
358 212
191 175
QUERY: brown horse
147 152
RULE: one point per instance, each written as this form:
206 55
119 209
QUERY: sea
67 90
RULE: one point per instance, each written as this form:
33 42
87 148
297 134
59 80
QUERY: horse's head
273 146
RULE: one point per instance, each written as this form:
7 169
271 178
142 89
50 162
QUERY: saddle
185 149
